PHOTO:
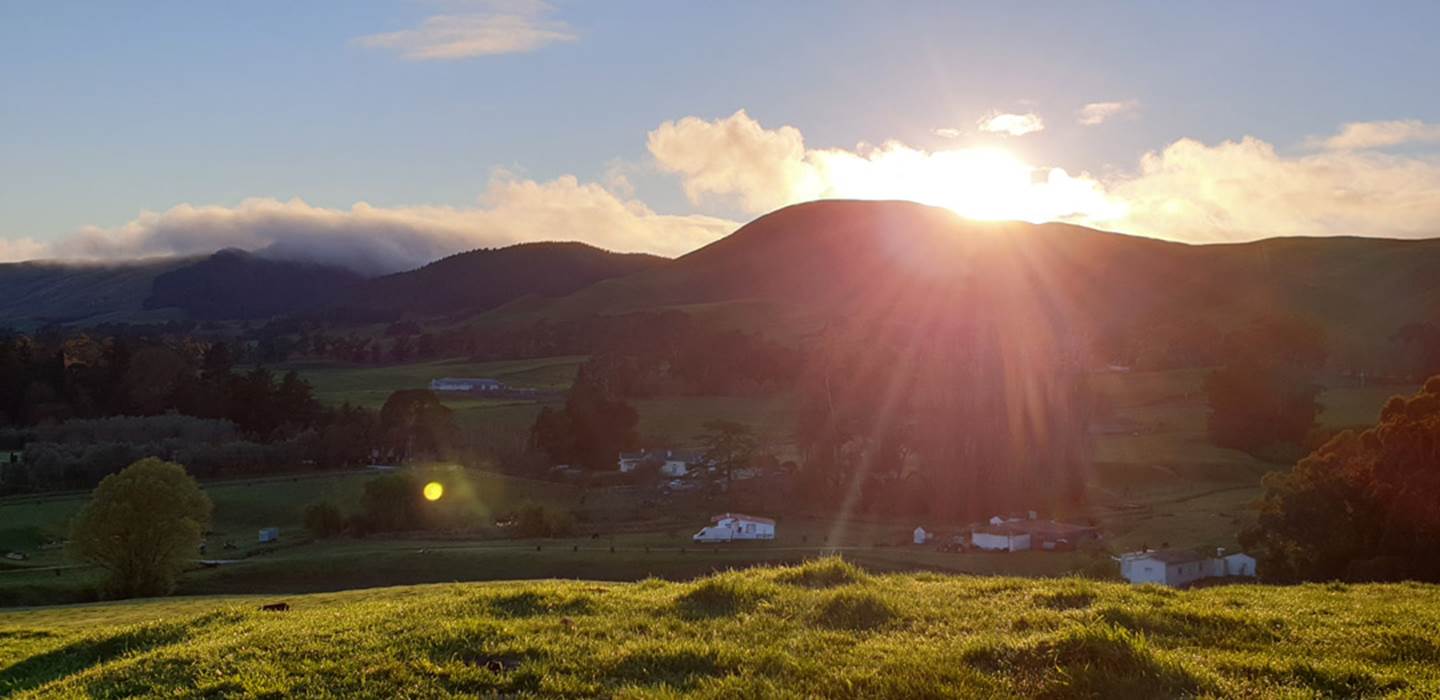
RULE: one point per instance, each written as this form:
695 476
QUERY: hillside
235 284
483 279
824 629
836 258
48 291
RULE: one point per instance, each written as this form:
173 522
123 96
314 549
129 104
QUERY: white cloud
1363 135
494 27
948 133
1097 113
1246 190
1012 124
377 239
14 249
737 161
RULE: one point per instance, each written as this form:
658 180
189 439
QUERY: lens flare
434 490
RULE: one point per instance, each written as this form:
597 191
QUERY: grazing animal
276 607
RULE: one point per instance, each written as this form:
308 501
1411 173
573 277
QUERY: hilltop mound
757 633
235 284
483 279
833 258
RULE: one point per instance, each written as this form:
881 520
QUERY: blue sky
109 109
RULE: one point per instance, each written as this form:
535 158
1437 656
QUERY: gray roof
1177 556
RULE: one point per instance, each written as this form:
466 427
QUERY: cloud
738 162
377 240
948 133
1246 190
15 249
1012 124
1364 135
1097 113
496 27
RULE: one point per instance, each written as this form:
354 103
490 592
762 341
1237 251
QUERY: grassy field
826 629
365 385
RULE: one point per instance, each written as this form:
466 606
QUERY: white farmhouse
463 385
1181 567
737 526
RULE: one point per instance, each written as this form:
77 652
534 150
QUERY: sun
434 490
988 183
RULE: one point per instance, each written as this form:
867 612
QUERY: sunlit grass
819 630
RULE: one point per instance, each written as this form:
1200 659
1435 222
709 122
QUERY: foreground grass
824 629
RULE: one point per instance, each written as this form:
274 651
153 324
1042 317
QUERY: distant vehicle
736 526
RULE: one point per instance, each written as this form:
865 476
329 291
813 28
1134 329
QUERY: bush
323 519
143 526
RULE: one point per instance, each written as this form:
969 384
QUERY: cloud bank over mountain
1351 183
377 240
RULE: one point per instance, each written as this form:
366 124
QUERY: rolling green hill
842 258
38 292
825 629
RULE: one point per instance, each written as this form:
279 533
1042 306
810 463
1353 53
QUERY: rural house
736 526
1017 534
673 463
454 385
1174 567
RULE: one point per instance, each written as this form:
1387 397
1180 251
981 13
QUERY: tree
1265 394
392 503
142 526
323 519
729 446
1364 506
414 422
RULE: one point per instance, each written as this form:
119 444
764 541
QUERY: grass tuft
721 595
854 610
828 572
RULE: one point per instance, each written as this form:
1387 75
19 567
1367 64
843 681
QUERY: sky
384 133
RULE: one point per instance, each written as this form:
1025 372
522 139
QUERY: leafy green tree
142 525
413 422
1364 506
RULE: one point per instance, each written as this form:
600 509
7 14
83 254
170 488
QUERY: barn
729 527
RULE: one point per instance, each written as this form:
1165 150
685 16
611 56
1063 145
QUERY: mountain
483 279
846 258
39 292
234 284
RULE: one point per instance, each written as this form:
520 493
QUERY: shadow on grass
530 603
1218 629
680 668
1098 661
81 654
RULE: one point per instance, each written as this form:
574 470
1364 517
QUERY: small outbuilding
921 536
729 527
269 534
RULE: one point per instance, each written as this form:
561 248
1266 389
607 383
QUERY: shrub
323 519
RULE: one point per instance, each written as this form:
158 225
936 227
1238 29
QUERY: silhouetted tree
1365 506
